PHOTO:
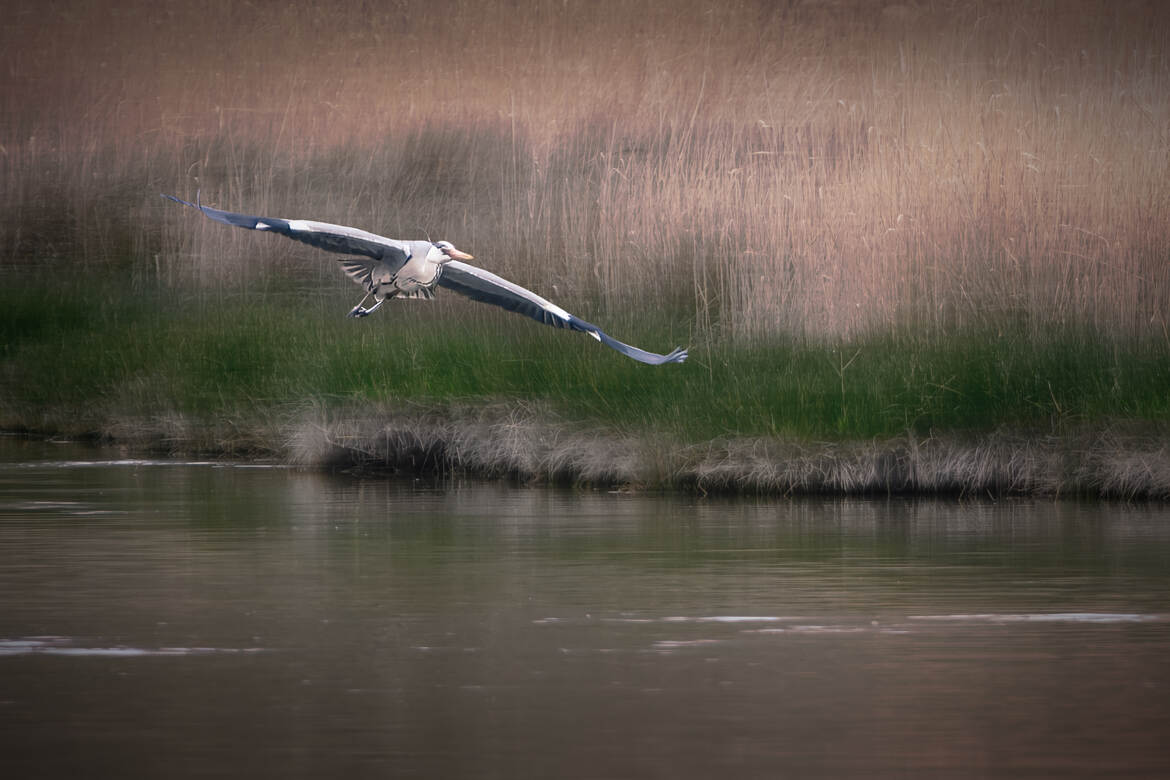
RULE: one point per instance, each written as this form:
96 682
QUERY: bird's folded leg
361 311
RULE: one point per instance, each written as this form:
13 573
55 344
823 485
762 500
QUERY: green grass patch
115 351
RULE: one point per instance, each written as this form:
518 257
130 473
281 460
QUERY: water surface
193 619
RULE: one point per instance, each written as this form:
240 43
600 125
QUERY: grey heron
388 268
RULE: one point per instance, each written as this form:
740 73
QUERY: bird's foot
359 311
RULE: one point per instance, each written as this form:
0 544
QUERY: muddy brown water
186 619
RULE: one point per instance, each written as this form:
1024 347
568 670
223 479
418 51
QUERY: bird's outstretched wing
485 286
323 235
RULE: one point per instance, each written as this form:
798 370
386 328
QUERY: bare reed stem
824 169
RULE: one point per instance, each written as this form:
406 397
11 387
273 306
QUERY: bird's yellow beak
455 254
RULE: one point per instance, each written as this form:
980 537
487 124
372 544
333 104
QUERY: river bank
528 444
972 412
920 252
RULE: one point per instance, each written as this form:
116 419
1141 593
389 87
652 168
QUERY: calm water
163 619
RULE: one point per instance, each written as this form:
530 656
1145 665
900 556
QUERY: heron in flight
387 268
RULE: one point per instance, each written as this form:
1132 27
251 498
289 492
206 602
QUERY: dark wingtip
178 200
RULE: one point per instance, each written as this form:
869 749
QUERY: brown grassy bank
526 444
818 168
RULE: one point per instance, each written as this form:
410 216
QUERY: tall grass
81 360
822 170
289 378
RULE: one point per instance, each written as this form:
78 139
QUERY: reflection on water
62 645
165 619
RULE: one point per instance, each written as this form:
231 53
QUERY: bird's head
448 252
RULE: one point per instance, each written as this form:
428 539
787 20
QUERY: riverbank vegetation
291 378
88 352
868 221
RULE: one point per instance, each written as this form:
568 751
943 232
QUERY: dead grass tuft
525 444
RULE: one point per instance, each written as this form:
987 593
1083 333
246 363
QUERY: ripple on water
64 646
1048 617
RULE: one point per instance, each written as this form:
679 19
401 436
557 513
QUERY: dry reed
818 168
525 443
529 443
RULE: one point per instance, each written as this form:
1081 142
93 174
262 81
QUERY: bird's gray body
384 266
409 271
387 268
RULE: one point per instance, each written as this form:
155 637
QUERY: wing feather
323 235
481 285
361 271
